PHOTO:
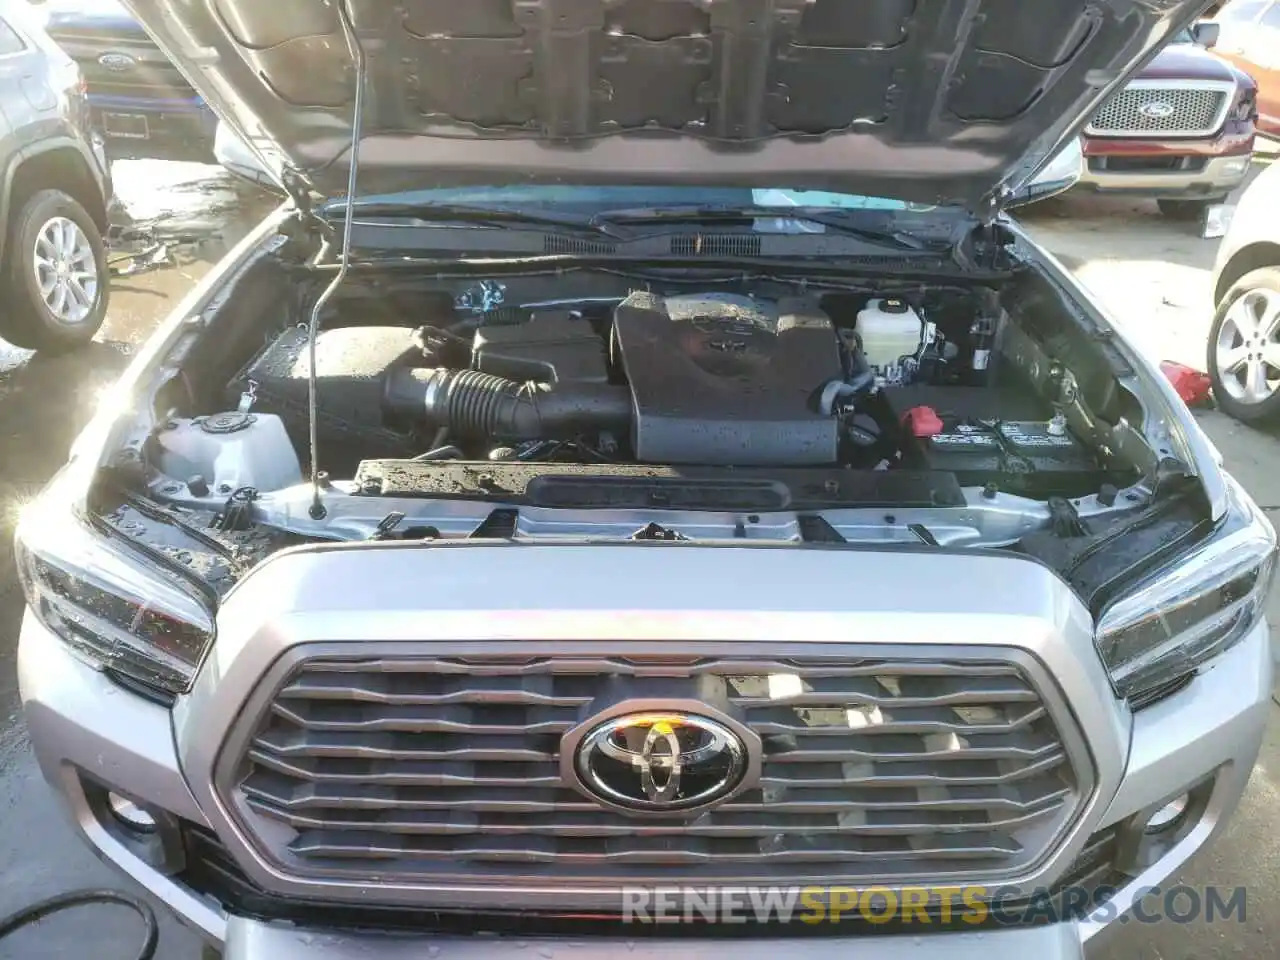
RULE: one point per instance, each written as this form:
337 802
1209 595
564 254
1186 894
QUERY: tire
1244 361
1186 209
72 264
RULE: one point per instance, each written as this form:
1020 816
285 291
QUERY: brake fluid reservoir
890 330
231 450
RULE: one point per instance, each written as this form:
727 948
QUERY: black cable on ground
83 898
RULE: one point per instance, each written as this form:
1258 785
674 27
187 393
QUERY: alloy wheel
65 270
1247 352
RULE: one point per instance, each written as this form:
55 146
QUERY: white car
1243 356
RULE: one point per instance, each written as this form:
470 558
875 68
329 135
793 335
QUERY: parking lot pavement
1152 275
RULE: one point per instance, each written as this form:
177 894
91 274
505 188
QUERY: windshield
594 199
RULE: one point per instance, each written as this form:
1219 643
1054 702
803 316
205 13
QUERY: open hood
928 101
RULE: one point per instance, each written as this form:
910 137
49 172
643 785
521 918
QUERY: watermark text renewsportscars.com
973 905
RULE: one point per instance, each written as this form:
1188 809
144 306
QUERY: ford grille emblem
117 62
658 761
1157 110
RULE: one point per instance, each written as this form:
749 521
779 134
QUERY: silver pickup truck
643 495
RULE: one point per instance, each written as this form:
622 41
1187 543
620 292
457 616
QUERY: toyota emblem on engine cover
659 761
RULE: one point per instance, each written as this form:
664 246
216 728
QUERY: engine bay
701 380
955 416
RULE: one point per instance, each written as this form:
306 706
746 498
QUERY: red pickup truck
1181 131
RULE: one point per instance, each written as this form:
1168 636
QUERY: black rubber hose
83 898
482 405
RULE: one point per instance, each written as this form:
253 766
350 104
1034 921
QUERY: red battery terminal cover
922 422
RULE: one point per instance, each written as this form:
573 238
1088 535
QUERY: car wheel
1186 209
55 275
1244 348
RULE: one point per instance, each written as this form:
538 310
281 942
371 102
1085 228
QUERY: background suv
140 101
53 266
1181 131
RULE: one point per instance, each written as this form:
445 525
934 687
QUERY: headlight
1246 108
116 608
1194 609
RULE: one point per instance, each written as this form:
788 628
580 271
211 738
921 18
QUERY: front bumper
249 940
1209 168
87 731
1216 178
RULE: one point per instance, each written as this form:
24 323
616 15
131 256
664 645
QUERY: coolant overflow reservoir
231 450
890 330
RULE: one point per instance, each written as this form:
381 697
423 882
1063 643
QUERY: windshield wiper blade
501 217
712 215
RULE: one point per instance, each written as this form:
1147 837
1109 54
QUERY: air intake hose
481 405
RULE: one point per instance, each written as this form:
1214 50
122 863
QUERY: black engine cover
725 380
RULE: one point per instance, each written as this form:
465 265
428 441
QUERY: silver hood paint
930 101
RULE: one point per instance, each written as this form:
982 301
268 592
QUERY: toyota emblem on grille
1157 110
658 761
117 62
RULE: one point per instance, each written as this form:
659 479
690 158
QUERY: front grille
1185 110
447 770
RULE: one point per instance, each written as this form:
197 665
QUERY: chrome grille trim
1199 109
380 763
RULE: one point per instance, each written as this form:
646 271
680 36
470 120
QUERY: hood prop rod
354 47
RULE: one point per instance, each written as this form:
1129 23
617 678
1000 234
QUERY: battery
994 446
1018 451
1020 456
